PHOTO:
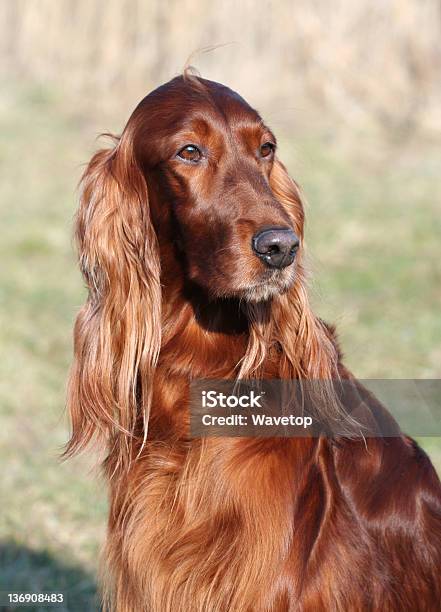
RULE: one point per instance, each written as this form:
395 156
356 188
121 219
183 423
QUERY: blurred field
52 515
361 61
361 134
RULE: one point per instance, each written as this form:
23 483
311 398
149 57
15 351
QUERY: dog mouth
274 283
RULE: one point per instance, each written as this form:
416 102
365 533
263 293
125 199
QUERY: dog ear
288 193
117 332
308 352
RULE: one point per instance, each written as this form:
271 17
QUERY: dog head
216 189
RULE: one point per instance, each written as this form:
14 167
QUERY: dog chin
266 290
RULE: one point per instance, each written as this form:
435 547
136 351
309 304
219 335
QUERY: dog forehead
228 102
191 105
182 98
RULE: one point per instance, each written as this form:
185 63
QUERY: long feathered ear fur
304 337
117 332
306 349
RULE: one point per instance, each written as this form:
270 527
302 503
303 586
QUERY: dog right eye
190 153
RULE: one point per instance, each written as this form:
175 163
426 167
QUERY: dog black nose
276 247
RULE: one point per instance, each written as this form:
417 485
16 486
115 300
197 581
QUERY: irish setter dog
190 237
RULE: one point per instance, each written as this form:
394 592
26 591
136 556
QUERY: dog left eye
267 149
190 153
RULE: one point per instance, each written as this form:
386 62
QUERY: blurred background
353 92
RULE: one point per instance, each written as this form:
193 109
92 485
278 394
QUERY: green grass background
373 234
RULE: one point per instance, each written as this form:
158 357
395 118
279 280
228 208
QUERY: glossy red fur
176 294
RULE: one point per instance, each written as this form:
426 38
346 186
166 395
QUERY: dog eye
267 149
190 153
